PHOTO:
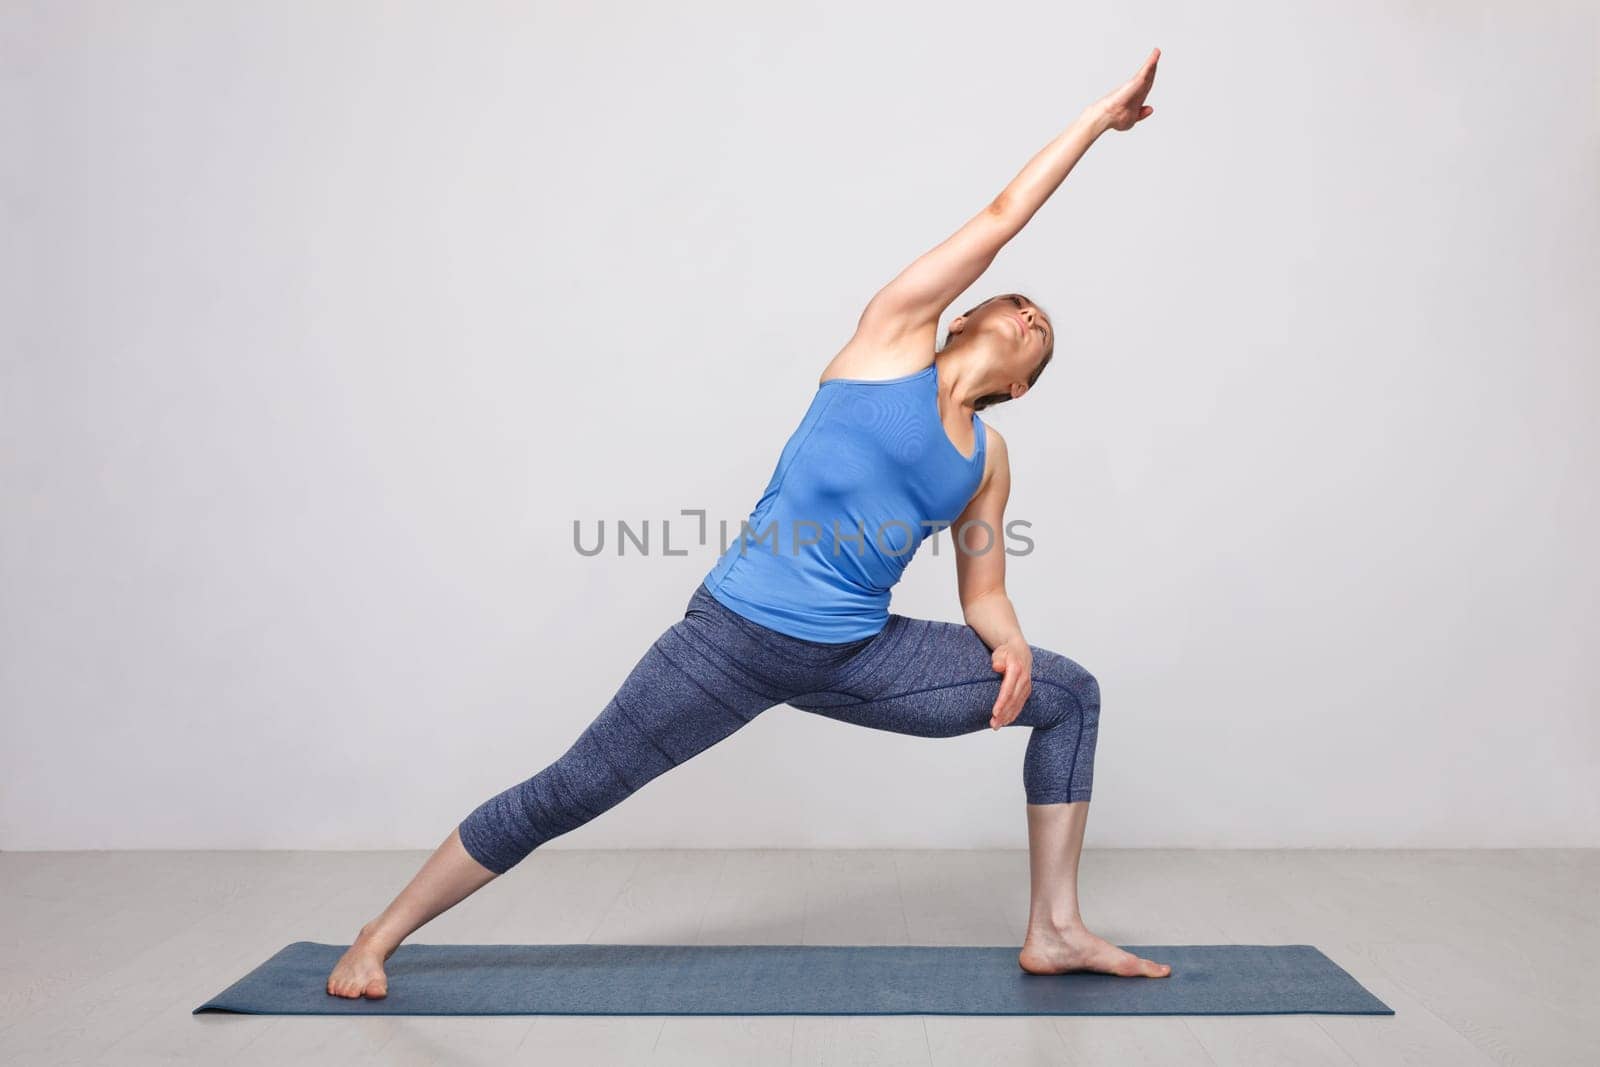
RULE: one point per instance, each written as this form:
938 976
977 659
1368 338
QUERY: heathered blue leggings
714 670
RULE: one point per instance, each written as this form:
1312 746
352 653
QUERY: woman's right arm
918 295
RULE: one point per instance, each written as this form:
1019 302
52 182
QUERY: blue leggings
714 670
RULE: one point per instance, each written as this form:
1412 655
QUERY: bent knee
1069 684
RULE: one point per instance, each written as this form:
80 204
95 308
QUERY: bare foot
359 972
1057 951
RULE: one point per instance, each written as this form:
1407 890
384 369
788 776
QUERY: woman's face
1017 329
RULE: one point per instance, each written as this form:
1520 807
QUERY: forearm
993 618
1045 172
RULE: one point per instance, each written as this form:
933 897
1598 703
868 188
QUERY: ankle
1060 927
372 936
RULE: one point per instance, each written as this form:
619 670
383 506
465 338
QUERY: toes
1128 966
373 988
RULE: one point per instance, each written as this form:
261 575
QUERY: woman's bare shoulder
996 458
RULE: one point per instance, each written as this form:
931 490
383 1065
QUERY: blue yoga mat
798 980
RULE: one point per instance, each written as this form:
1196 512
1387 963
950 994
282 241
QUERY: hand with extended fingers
1014 661
1124 106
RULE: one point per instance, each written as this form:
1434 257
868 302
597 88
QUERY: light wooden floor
1488 957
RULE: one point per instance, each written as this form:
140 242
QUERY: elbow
1003 218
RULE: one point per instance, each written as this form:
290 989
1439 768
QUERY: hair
991 399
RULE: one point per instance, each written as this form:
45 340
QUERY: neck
965 375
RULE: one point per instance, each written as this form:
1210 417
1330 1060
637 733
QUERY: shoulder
996 452
996 458
991 437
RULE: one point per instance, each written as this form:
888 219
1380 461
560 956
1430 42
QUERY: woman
795 611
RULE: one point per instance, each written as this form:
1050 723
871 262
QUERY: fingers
1005 706
1004 663
1019 696
1147 72
1000 704
1009 705
1014 690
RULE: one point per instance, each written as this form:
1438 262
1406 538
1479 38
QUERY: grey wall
323 322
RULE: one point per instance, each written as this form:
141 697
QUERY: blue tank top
867 476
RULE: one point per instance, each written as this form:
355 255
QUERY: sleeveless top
867 476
